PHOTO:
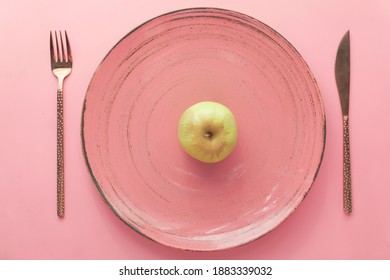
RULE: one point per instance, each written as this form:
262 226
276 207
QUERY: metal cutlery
342 73
61 65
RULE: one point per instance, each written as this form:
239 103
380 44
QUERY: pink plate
131 112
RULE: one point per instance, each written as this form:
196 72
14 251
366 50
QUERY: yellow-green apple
207 131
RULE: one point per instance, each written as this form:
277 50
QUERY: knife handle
347 192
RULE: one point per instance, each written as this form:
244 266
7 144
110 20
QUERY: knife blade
342 74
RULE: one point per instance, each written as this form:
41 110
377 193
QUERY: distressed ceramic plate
131 112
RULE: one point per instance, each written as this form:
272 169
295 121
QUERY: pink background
29 227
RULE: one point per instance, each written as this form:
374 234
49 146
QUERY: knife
342 73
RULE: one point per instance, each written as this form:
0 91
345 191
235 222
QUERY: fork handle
60 155
347 192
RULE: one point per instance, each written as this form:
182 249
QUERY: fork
61 65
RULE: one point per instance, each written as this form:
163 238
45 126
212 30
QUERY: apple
207 131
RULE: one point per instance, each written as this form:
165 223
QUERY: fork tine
52 55
69 54
63 58
57 47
